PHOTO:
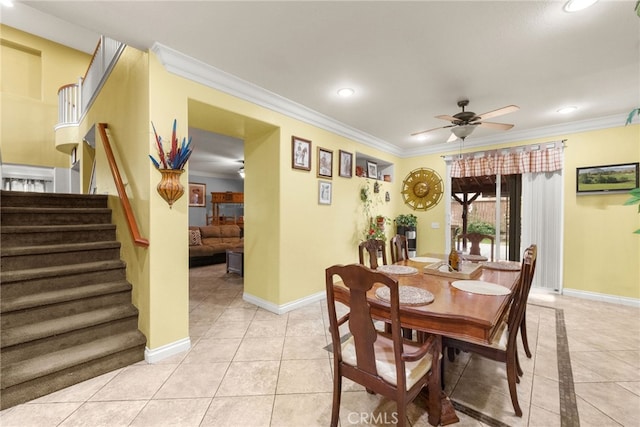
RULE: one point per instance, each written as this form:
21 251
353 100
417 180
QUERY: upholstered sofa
209 244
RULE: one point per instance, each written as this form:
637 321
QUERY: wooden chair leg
518 367
523 334
512 378
337 390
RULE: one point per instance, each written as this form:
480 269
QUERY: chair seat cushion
385 361
501 337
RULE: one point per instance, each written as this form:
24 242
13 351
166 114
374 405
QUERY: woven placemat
409 295
502 265
480 287
398 269
426 259
476 258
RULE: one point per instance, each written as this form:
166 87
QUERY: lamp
462 131
241 172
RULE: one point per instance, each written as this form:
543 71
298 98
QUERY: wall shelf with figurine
373 168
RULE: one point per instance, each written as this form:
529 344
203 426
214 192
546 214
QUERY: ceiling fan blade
446 117
492 125
429 130
495 113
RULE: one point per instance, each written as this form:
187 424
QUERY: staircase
65 304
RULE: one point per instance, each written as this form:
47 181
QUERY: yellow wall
601 253
33 69
123 105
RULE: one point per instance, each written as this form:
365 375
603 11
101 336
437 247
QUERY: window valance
517 160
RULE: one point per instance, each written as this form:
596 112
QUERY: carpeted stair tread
39 330
39 199
59 270
62 295
51 249
54 228
47 364
52 210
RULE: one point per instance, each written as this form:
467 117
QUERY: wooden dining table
453 312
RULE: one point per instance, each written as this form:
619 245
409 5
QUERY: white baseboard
285 308
168 350
613 299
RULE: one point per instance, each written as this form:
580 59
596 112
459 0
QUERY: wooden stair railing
124 199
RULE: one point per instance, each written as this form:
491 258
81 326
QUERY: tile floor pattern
250 367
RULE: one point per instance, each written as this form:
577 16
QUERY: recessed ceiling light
567 110
576 5
7 3
346 92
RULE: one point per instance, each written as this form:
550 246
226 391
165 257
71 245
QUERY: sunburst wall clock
422 189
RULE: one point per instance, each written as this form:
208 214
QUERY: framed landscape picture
607 179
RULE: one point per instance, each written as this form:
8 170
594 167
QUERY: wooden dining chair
475 239
374 248
399 248
503 348
383 363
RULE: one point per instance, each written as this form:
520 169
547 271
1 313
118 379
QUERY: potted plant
406 225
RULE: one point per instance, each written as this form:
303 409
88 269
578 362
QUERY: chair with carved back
374 248
474 239
503 348
399 248
386 364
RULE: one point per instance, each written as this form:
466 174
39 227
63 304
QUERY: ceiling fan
464 122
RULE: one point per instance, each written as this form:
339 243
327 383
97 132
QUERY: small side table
235 261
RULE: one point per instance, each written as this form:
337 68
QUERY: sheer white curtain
542 215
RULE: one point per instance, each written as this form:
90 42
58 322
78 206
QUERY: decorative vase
169 187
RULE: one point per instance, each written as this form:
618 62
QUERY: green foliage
481 227
634 200
408 220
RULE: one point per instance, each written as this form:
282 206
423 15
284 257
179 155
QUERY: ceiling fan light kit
577 5
464 122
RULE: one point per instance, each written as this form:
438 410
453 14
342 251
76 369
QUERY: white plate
480 287
425 259
397 269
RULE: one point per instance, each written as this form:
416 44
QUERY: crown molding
187 67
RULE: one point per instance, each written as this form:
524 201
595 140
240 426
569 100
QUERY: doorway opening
490 205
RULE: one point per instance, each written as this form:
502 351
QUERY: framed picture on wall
300 153
197 194
618 178
372 170
345 164
324 193
325 163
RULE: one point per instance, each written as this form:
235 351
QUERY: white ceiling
407 61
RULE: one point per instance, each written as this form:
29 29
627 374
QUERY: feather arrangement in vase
177 157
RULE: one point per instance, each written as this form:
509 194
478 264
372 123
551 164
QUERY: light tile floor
250 367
